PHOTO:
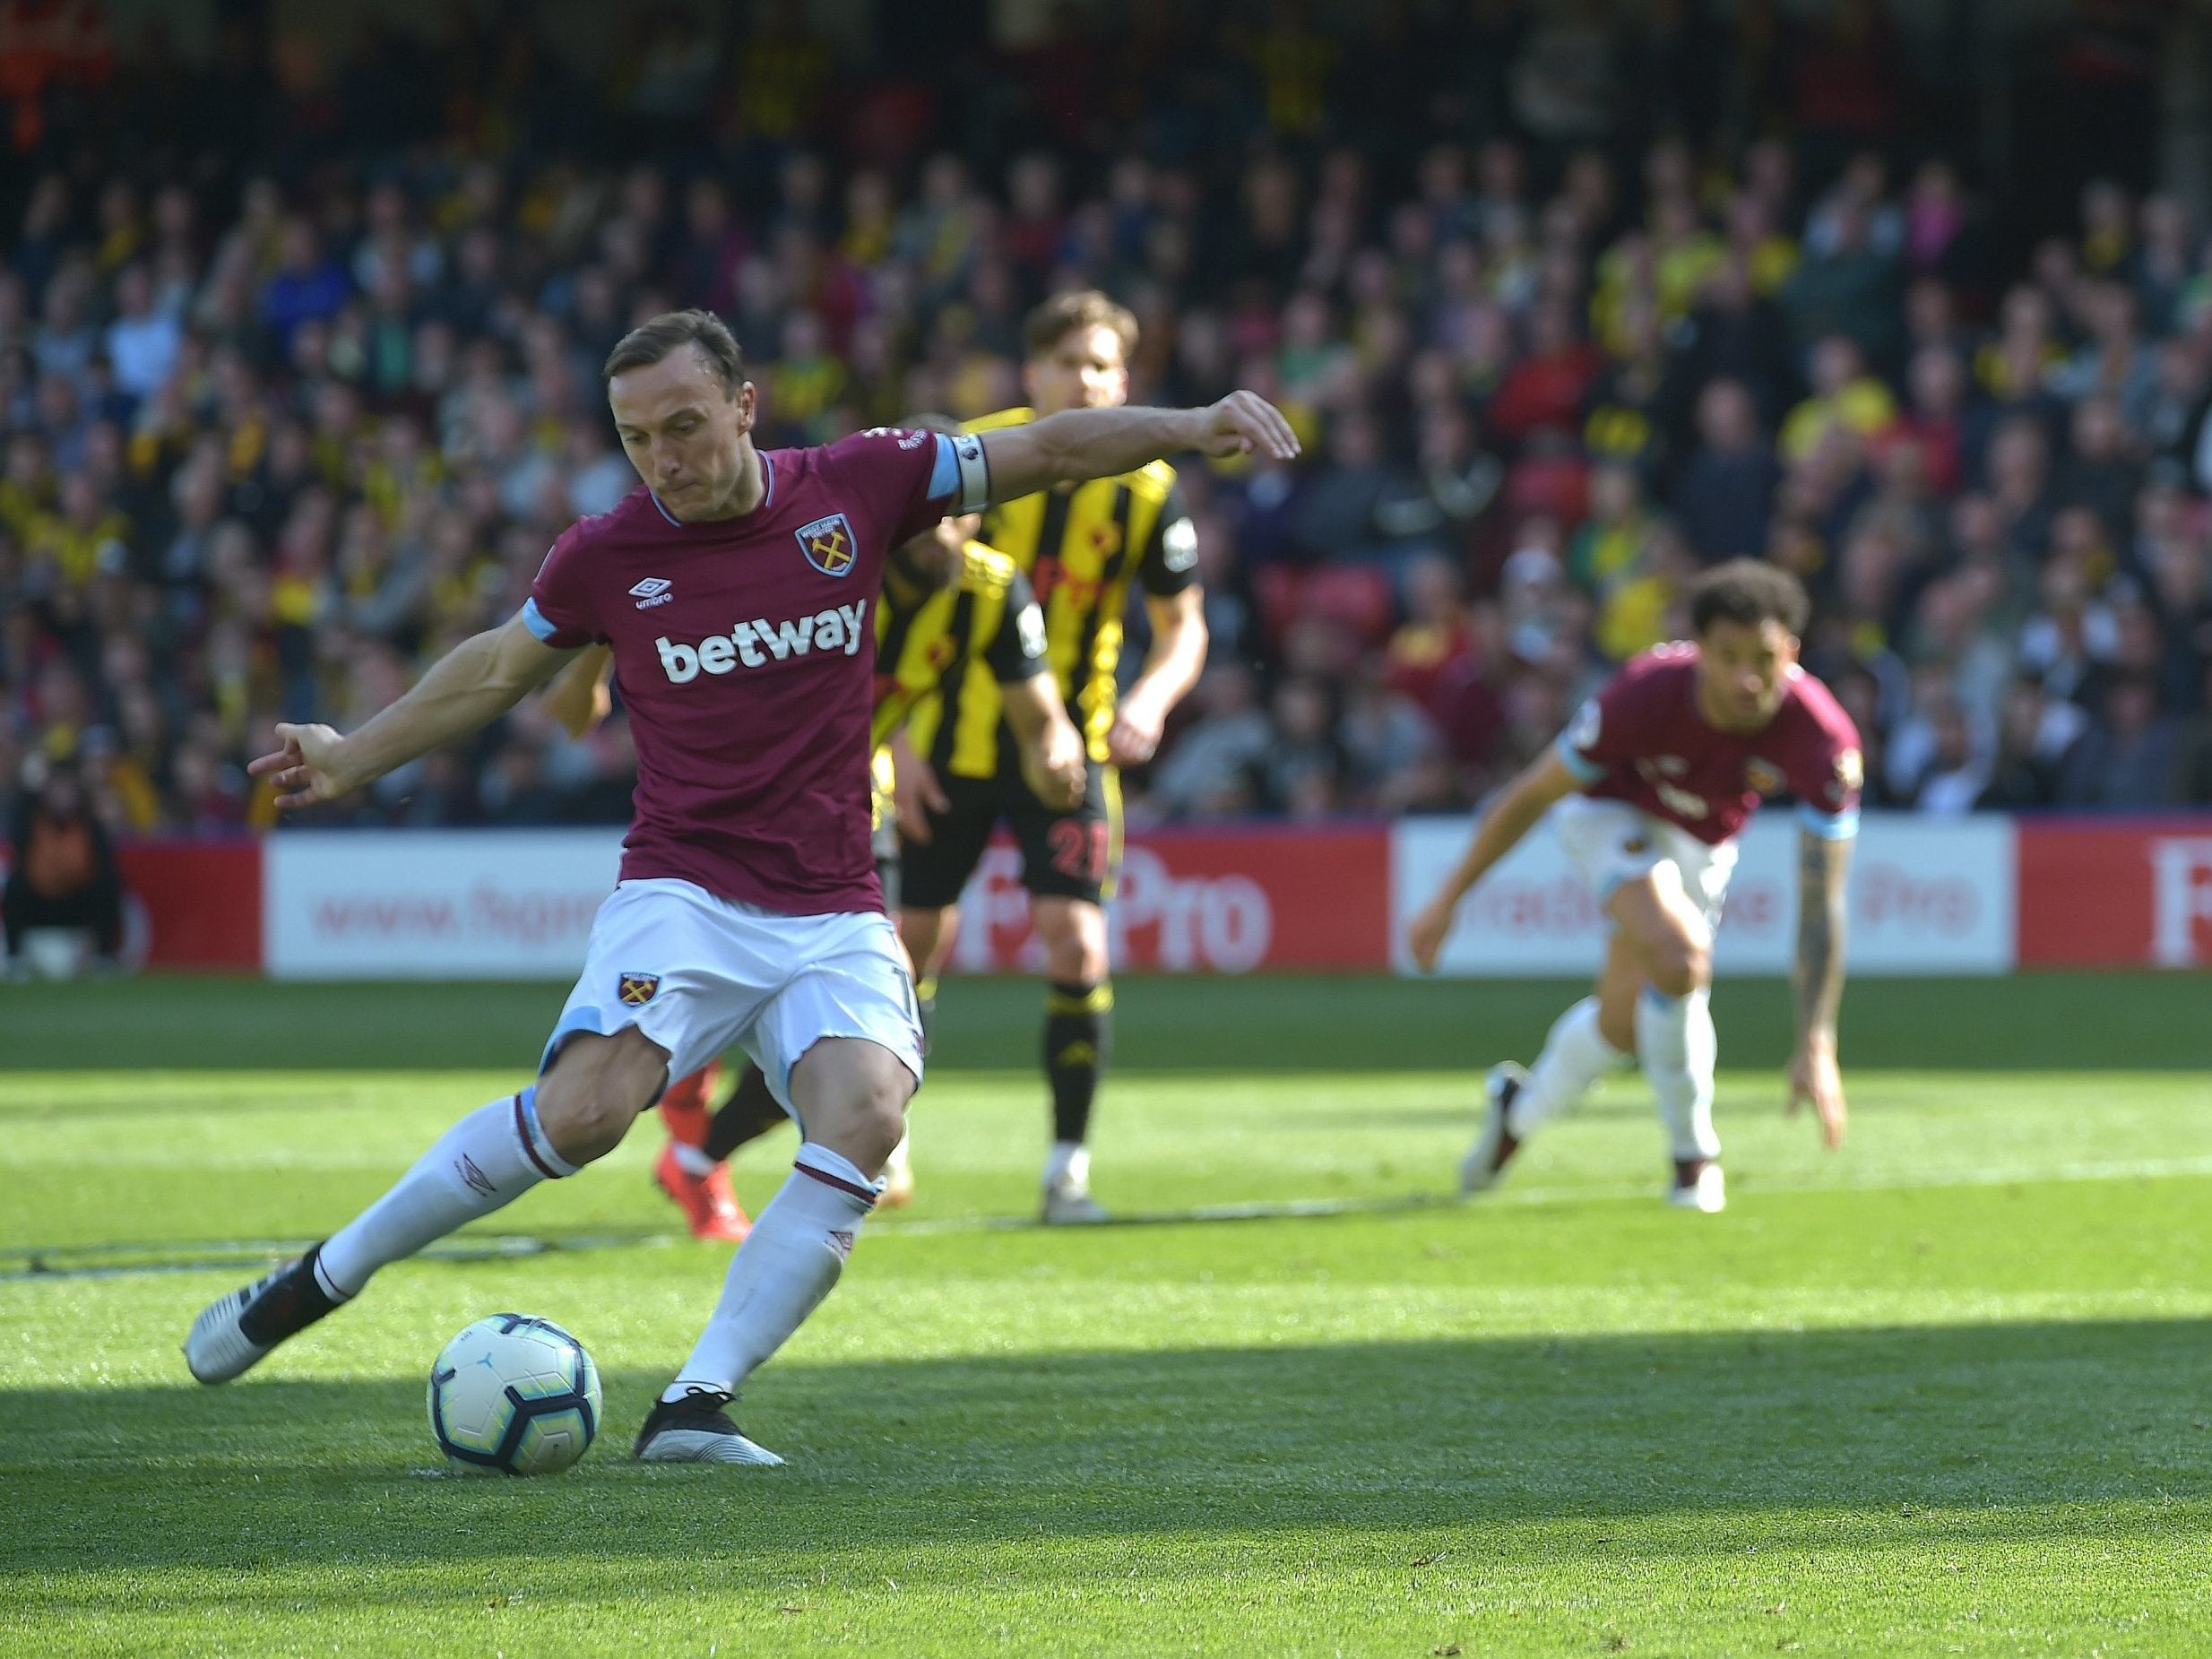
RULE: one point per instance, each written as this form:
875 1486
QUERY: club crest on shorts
828 544
636 989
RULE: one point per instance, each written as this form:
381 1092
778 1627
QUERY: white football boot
1495 1145
1699 1185
236 1331
1067 1201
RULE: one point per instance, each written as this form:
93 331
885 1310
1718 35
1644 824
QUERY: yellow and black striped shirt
1082 547
943 652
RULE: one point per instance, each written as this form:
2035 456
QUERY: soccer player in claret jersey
737 588
957 620
1664 765
955 615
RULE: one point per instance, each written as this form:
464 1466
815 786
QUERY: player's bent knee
595 1090
1682 964
1074 935
1074 966
880 1115
851 1096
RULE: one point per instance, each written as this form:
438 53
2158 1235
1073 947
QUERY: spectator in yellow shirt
85 538
1843 394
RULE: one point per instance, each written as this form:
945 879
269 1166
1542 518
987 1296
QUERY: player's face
1743 673
684 433
1084 371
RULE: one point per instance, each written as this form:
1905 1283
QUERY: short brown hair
662 336
1750 591
1063 313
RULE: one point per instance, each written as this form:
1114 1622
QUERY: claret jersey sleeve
1824 768
1601 736
911 479
560 609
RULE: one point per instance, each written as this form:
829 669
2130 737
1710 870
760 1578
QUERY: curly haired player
1649 786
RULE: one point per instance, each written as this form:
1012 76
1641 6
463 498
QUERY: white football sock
1069 1165
1675 1041
782 1272
489 1159
1574 1056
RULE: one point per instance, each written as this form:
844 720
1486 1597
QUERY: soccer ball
512 1395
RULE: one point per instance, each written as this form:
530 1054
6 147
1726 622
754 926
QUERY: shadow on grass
1789 1428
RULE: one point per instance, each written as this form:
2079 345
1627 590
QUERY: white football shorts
696 973
1610 841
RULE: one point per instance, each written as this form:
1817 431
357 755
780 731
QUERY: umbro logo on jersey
653 590
757 644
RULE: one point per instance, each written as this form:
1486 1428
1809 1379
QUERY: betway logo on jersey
758 643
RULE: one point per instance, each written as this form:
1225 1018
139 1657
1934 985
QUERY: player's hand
1815 1077
1135 737
1244 422
306 771
1055 771
1426 933
917 791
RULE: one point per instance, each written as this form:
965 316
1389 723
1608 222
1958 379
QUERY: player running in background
735 587
1082 547
955 614
1664 765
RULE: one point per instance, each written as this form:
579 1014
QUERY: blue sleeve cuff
1828 825
960 474
1580 765
944 476
535 621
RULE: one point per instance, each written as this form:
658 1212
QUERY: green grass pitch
1949 1392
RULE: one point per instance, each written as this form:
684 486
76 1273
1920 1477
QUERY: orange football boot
710 1208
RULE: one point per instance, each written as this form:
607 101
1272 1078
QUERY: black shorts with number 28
1068 855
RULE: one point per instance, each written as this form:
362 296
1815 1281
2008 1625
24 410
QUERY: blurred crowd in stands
299 353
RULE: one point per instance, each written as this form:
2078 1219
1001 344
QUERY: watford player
957 617
1083 548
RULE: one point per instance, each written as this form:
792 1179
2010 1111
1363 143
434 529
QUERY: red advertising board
2089 894
194 904
1210 902
2138 893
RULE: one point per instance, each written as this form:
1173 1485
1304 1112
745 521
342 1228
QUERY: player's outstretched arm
1050 748
1080 444
1822 864
1515 811
471 685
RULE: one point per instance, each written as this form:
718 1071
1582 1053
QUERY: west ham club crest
828 543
